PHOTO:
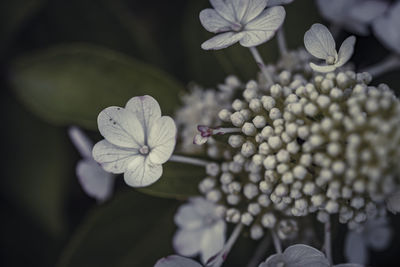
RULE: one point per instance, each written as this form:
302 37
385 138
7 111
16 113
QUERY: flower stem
282 45
277 242
227 130
390 63
189 160
219 259
327 241
260 63
260 251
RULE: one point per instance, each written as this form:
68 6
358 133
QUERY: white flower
393 202
243 21
176 261
375 235
297 255
138 140
279 2
386 28
96 182
353 15
320 43
201 229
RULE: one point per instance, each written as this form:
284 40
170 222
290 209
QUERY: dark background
47 220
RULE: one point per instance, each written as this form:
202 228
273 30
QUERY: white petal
386 29
240 7
176 261
319 42
323 69
113 158
213 22
187 217
141 172
355 249
254 9
378 238
213 241
303 255
224 8
255 38
346 51
279 2
222 40
187 242
96 182
120 127
269 20
162 139
275 260
393 202
146 109
82 143
199 140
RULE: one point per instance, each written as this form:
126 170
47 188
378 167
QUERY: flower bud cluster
326 145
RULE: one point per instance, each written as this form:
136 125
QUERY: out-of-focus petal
82 143
162 139
225 9
334 11
213 240
355 249
112 158
393 202
222 40
319 42
121 127
146 109
188 242
378 238
96 182
386 29
368 10
213 22
187 217
346 51
176 261
323 69
348 265
141 172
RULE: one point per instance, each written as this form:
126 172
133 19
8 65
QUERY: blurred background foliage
61 62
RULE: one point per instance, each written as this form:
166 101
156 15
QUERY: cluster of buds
327 144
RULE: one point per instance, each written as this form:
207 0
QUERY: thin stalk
260 251
328 242
277 242
219 259
390 63
282 45
189 160
227 130
261 64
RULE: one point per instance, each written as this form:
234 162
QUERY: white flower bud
270 162
254 208
236 141
247 218
263 200
224 115
214 195
238 104
268 220
234 187
207 184
249 129
283 155
212 169
256 105
267 132
233 199
275 114
232 215
250 190
259 121
293 147
248 149
287 178
322 216
299 172
256 232
281 190
237 119
264 149
268 102
246 113
332 206
318 200
357 202
274 142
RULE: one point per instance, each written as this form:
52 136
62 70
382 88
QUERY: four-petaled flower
243 21
138 140
319 42
96 182
201 229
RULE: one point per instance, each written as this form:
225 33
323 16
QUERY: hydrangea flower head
244 21
319 42
201 229
96 182
138 140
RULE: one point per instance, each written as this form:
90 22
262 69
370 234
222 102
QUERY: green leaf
71 84
178 181
36 168
131 230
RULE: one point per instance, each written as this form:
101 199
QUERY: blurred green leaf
36 169
178 181
71 84
131 230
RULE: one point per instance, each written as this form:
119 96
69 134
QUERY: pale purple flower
353 15
386 28
138 140
319 42
201 229
243 21
96 182
176 261
375 235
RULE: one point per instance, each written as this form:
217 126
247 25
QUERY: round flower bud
268 220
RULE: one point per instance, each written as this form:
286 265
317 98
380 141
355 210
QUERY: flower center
144 150
330 60
236 27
